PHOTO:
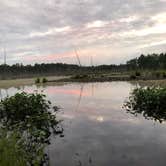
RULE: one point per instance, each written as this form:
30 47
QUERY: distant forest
144 62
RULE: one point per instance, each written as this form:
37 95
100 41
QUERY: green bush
158 74
37 81
164 75
148 101
29 114
44 80
80 76
137 73
133 77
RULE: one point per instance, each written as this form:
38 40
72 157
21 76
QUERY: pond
97 130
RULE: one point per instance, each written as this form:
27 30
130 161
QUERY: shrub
137 73
80 76
133 77
44 80
29 115
148 101
37 81
164 75
158 74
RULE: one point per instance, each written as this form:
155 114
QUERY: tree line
149 62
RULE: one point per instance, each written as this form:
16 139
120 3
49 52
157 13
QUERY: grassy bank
130 76
142 77
27 81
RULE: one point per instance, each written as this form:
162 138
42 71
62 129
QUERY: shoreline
66 79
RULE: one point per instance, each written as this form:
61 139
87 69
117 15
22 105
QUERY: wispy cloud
110 30
51 31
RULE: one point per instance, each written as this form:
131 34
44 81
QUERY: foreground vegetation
26 125
148 101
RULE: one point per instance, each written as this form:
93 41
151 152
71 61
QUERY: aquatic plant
149 101
30 117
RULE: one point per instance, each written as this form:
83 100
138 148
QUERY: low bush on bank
150 101
137 74
37 81
28 123
80 76
44 80
133 77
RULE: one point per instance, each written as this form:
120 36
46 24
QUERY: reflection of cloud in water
103 118
67 116
75 92
100 119
100 128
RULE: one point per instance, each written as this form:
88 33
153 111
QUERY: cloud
50 31
111 30
96 24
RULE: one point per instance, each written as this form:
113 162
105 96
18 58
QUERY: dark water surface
97 131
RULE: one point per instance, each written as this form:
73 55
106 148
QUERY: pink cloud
66 55
51 57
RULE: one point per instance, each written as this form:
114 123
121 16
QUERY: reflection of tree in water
28 117
149 101
82 88
80 97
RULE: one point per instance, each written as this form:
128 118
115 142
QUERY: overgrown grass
11 149
149 101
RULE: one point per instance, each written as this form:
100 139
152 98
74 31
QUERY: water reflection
97 131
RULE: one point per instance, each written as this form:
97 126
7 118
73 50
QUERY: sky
101 31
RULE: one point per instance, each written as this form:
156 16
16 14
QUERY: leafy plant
148 101
29 115
37 81
158 74
133 77
164 75
44 80
137 73
80 76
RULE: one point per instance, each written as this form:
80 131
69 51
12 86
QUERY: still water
97 130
